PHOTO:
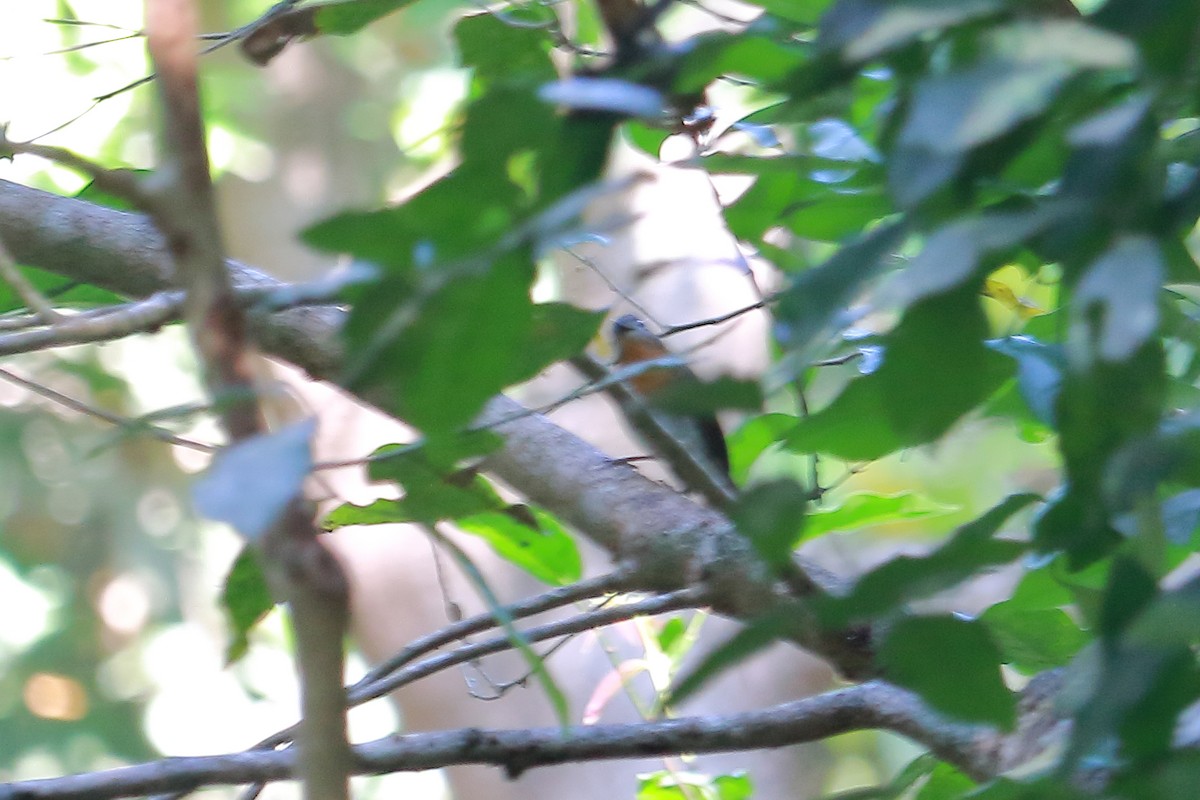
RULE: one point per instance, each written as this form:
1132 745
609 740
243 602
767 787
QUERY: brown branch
977 750
670 541
301 570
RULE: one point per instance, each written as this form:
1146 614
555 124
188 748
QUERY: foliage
903 155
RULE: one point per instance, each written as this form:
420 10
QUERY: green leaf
344 17
965 109
1163 29
945 783
762 59
807 12
833 217
459 349
972 548
246 600
678 785
1115 308
706 397
960 251
645 137
62 292
531 539
496 50
739 164
771 516
864 509
557 331
810 308
866 29
1033 640
1098 410
962 110
753 637
953 664
911 399
748 442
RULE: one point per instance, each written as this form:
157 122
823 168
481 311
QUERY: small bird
700 435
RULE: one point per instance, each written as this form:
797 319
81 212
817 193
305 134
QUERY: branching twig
546 601
147 316
364 691
99 413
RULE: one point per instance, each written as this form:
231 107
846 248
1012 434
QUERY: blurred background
113 647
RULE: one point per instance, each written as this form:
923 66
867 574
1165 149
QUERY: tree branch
668 541
977 750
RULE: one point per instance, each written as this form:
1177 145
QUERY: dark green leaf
709 396
865 29
771 516
953 664
911 399
246 599
809 308
1115 309
1163 29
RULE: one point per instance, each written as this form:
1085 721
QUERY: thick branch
670 541
867 706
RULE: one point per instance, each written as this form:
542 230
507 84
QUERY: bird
699 434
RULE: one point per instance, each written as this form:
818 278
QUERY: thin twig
11 274
364 690
99 413
702 323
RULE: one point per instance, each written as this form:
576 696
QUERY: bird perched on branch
692 446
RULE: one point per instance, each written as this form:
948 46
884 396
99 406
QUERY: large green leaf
912 398
972 548
865 29
953 664
864 509
531 539
812 305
